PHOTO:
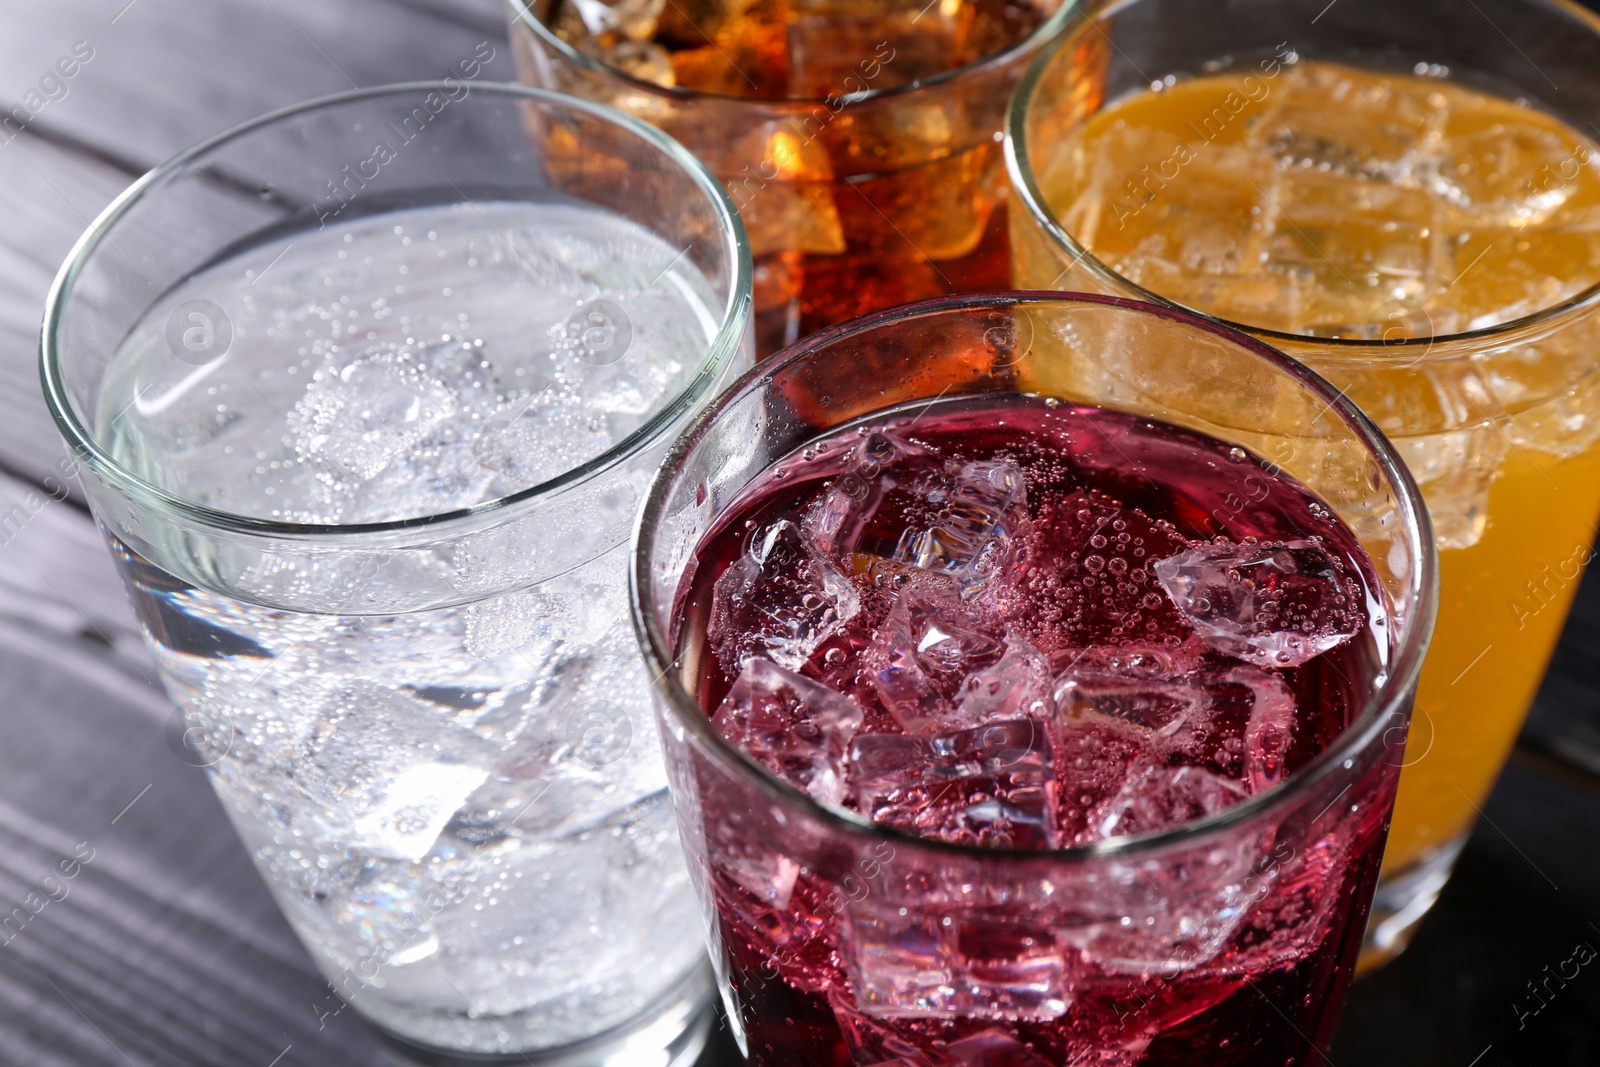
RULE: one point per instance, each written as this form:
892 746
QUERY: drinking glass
366 392
867 171
1498 423
1239 930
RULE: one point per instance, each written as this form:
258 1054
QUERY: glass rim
718 354
1352 349
1365 730
522 12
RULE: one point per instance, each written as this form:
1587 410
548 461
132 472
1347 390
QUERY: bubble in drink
1096 649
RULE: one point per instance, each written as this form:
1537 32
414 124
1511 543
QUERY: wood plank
487 16
51 195
57 579
165 73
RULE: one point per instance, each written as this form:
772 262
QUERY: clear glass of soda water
841 937
366 393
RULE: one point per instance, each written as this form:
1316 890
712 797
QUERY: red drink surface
1017 624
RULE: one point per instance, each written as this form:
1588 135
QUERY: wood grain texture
166 73
50 196
56 579
487 16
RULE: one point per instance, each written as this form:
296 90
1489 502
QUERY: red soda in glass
1040 700
1018 624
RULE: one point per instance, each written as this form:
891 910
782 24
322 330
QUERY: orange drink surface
1316 204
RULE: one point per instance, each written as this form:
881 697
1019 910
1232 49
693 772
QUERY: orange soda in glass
1412 208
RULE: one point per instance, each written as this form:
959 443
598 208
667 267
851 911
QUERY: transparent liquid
462 811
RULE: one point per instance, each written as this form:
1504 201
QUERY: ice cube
692 22
922 656
1273 604
971 514
741 47
1566 426
1147 661
1358 246
388 771
366 910
1361 127
1210 223
1111 689
356 420
1162 798
900 963
512 621
1171 914
756 867
833 45
645 60
548 920
780 180
567 752
1485 175
532 439
415 805
999 1048
1011 969
1017 686
875 467
875 1042
991 786
751 872
1270 731
1455 470
785 216
608 19
798 729
780 600
936 211
1291 901
907 963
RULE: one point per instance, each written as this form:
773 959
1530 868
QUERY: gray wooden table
163 948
